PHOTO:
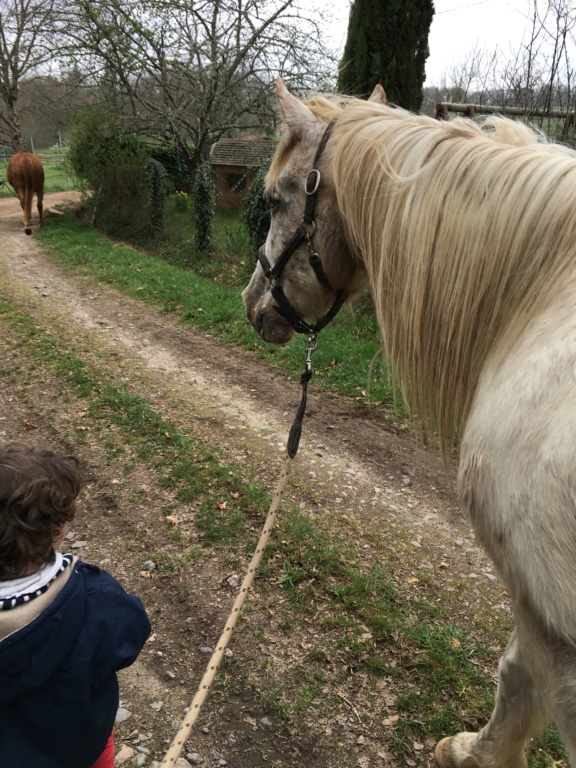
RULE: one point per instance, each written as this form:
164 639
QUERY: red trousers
106 759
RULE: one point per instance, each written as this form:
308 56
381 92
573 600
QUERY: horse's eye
275 203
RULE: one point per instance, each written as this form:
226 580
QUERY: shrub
174 162
255 210
204 206
97 144
111 164
180 200
156 177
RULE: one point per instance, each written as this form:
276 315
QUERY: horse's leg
28 194
500 744
22 200
39 199
552 660
22 197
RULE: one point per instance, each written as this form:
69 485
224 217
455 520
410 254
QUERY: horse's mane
466 231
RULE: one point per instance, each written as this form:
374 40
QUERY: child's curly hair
38 489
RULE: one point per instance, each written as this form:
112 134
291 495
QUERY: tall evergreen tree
387 43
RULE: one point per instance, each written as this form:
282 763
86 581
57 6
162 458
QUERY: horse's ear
299 119
378 95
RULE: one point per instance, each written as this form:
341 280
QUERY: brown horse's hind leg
39 199
28 195
21 192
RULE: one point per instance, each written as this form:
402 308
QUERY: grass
230 263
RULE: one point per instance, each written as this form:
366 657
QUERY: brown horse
26 175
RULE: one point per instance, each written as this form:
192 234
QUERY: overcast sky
459 24
456 28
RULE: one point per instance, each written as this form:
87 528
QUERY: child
66 627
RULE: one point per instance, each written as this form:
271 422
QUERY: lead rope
4 184
185 729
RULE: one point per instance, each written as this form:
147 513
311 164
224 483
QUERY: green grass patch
229 263
447 689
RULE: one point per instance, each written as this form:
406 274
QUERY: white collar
32 582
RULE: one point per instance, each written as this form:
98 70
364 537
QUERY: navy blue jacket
58 685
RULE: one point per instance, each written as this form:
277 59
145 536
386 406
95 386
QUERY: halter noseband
304 233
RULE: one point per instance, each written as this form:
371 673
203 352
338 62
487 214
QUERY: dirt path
370 476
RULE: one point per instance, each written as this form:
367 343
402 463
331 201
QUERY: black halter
304 233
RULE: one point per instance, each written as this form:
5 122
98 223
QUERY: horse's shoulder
535 378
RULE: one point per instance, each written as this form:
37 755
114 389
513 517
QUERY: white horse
467 237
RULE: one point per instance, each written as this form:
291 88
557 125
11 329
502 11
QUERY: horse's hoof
454 752
443 754
457 752
28 231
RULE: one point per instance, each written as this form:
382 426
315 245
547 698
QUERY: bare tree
46 104
537 76
468 80
27 35
190 71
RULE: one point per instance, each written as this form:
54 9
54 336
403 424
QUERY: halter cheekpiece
304 233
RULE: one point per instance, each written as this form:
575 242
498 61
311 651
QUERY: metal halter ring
310 227
314 173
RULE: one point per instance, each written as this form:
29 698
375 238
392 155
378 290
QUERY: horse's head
305 269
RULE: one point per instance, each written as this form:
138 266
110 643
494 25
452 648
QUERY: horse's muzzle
271 327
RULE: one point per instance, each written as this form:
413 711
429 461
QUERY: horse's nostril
259 321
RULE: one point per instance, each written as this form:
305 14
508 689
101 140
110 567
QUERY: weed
168 564
271 698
